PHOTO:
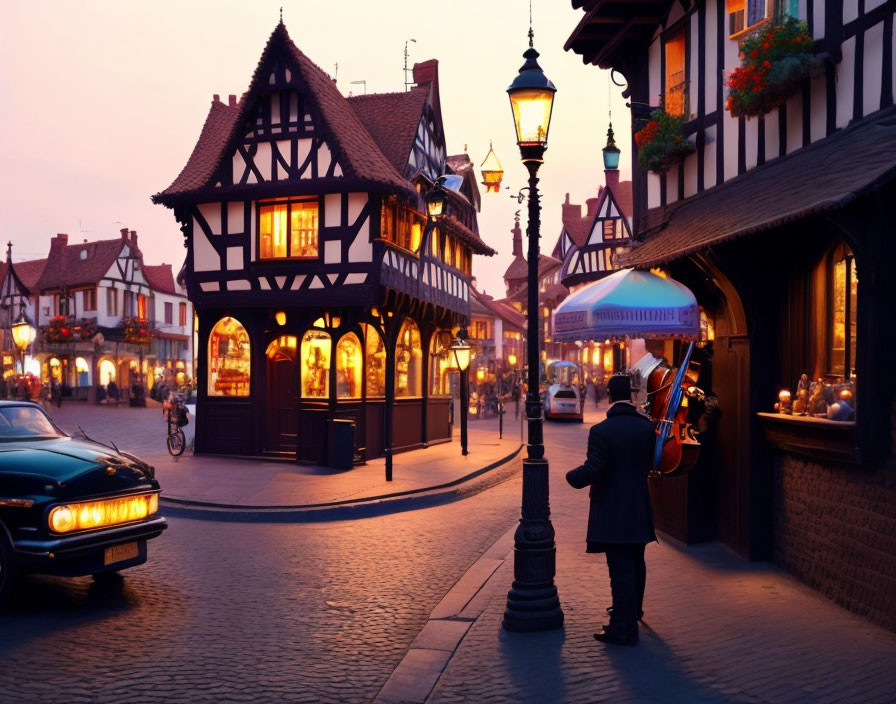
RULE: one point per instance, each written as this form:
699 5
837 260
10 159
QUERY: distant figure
596 384
515 395
112 391
620 519
55 393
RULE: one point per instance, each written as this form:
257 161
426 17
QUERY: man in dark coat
620 520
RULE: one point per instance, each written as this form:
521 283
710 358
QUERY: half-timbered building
322 289
780 223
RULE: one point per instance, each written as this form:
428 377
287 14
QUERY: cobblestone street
326 611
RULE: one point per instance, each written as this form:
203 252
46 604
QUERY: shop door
283 418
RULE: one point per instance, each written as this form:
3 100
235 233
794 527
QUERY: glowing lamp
23 332
611 152
480 374
511 360
492 173
435 201
461 351
280 317
531 100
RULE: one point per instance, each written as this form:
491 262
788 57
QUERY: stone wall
835 529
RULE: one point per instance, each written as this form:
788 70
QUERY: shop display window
349 364
284 343
229 359
316 365
375 362
408 361
441 363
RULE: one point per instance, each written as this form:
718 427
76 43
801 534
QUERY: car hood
63 461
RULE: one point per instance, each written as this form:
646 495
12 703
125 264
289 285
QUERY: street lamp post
23 334
461 350
532 602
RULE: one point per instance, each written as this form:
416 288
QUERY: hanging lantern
492 173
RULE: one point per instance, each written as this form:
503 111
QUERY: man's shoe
640 613
615 637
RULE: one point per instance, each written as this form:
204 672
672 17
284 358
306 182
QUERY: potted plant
661 142
58 330
774 61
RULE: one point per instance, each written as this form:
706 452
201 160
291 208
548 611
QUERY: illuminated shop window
375 362
843 284
316 364
229 359
285 344
441 362
288 230
401 225
348 367
408 361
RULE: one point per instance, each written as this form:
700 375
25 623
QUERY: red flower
754 53
765 45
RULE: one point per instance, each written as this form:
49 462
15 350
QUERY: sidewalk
717 629
226 488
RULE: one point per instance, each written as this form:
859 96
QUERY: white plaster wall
262 160
205 257
711 80
709 157
235 218
872 68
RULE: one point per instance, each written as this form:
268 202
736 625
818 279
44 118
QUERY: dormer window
288 230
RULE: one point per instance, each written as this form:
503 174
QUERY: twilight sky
104 100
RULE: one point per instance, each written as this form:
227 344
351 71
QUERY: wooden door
283 417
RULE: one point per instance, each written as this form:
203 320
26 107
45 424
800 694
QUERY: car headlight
99 514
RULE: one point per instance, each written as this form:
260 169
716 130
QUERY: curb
415 678
350 509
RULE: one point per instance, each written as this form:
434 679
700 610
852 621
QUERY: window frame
841 252
89 299
288 202
679 31
747 28
182 314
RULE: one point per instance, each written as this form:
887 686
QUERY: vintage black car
69 507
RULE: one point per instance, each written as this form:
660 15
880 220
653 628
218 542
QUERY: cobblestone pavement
248 612
718 629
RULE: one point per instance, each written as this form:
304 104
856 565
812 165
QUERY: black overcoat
620 453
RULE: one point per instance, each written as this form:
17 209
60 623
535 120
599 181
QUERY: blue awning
628 304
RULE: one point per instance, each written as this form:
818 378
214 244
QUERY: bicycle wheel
177 442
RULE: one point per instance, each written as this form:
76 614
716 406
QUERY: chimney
134 241
124 234
427 74
570 211
591 206
611 176
60 240
231 101
216 98
517 239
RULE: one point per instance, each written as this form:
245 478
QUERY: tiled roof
822 177
458 229
578 228
622 193
207 154
392 120
160 278
519 267
502 310
351 143
29 272
67 267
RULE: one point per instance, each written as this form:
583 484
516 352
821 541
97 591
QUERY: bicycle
177 418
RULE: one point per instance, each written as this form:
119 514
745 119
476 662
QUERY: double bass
677 449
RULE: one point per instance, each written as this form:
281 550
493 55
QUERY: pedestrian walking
515 394
596 384
620 518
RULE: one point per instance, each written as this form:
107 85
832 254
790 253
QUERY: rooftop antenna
407 83
281 14
336 75
359 82
531 33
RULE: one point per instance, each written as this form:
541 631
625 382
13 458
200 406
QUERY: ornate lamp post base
532 602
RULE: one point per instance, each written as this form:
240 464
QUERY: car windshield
18 422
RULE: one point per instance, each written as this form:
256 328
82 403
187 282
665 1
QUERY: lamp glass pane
532 115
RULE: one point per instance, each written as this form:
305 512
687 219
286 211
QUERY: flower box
774 61
661 142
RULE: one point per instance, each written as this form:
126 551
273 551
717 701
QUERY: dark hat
620 387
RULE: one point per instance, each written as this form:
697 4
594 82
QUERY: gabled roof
66 267
29 272
519 267
160 278
351 143
392 120
506 312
